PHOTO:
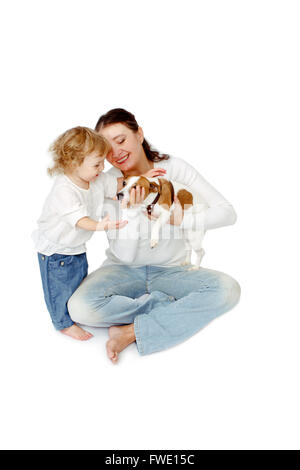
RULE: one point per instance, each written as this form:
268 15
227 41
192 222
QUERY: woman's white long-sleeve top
131 245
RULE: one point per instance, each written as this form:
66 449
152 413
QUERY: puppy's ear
154 187
166 192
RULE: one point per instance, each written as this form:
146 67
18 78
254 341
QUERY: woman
180 301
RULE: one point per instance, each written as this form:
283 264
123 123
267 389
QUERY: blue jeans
181 302
61 275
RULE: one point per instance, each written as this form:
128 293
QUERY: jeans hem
63 325
138 336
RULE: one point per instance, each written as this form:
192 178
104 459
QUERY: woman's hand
155 172
137 195
176 216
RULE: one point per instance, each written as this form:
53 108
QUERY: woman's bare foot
120 338
77 333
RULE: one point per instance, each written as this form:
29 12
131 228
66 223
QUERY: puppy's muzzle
120 196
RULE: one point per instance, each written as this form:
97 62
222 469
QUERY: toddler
70 216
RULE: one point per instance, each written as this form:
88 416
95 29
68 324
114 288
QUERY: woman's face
127 149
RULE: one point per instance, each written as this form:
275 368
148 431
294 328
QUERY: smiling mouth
123 159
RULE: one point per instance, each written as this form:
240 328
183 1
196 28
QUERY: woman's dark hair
119 115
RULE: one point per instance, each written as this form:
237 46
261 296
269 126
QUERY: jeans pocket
56 260
61 270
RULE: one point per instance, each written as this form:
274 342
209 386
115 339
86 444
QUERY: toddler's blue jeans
61 275
181 301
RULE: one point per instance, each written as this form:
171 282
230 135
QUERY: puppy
159 201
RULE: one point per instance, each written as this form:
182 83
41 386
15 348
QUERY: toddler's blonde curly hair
70 148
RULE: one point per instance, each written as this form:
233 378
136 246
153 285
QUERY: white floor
233 385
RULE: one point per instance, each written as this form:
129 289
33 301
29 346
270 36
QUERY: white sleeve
68 205
109 184
219 212
123 243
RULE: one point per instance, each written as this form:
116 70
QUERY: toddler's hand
155 172
107 224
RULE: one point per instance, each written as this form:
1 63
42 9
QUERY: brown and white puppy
159 201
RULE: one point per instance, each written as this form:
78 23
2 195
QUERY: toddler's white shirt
64 206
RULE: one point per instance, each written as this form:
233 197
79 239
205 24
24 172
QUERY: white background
215 83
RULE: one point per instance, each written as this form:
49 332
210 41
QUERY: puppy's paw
185 263
194 268
153 243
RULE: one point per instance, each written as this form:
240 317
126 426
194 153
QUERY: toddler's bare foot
120 338
77 333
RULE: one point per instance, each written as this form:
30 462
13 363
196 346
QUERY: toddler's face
91 167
